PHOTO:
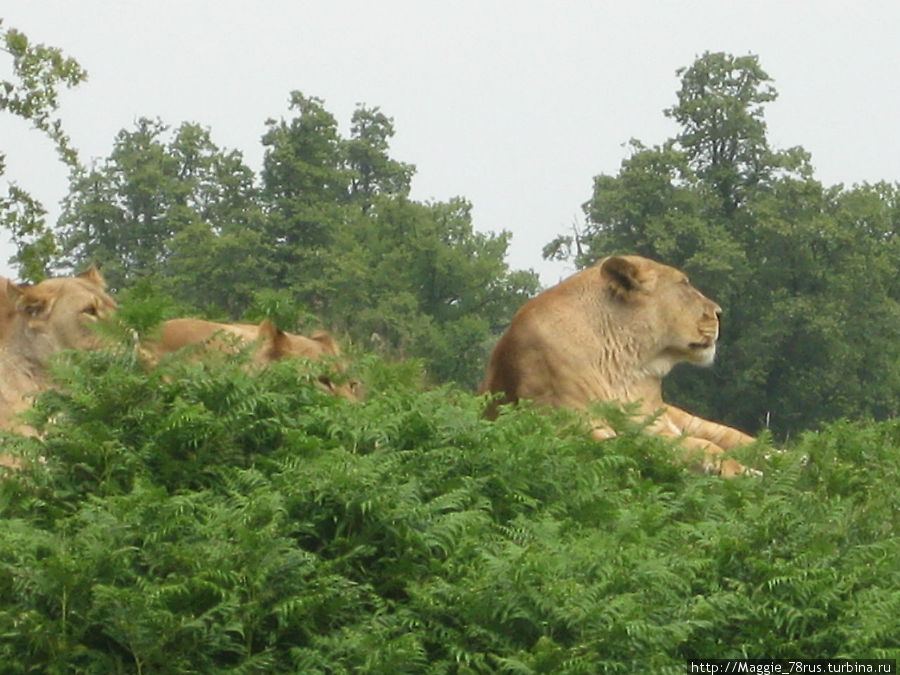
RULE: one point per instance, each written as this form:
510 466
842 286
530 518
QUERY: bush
202 519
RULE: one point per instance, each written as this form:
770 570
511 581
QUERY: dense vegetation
198 518
201 519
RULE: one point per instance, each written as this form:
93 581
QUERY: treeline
327 234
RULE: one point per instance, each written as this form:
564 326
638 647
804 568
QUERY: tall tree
304 185
124 213
412 279
373 171
723 130
330 233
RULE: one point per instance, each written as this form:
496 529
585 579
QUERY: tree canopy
328 226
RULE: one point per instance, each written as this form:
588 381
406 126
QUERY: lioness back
177 334
268 344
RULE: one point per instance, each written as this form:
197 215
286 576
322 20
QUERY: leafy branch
39 72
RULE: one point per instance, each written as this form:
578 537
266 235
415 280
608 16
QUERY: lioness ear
267 331
93 275
329 346
624 276
13 291
26 301
272 337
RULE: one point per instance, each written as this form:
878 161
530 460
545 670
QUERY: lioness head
59 312
279 344
681 323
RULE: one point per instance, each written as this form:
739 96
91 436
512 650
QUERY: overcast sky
515 105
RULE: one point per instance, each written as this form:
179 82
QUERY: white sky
515 105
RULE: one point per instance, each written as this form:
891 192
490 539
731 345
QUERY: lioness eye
90 311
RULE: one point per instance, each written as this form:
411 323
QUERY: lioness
611 333
273 344
45 318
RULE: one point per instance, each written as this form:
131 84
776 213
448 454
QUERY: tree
723 132
373 171
421 281
123 214
804 273
329 233
175 208
39 72
411 279
304 187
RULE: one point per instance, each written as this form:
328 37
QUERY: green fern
202 518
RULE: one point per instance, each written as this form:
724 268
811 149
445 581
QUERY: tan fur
7 310
611 333
273 344
45 318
